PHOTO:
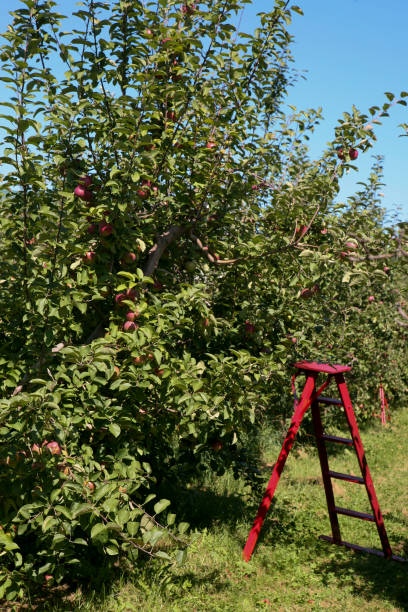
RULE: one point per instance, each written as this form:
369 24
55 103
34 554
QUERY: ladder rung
372 551
347 441
355 514
347 477
329 400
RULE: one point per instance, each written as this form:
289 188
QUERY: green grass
291 568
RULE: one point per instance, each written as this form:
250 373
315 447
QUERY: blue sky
353 51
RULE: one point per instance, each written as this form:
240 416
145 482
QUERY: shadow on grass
371 576
202 508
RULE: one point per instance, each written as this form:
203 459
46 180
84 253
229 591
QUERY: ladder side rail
365 472
324 464
303 405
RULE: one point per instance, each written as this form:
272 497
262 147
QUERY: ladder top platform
321 367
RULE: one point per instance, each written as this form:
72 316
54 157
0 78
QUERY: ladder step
329 400
347 477
347 441
355 514
372 551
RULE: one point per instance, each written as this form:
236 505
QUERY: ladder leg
324 464
351 419
301 408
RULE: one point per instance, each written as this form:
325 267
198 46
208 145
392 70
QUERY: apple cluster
352 153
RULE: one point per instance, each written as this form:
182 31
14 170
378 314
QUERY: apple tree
168 248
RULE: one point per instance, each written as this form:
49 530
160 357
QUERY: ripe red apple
306 293
138 360
35 448
85 181
105 229
216 445
128 259
132 294
371 298
386 269
144 191
83 193
340 153
116 372
131 316
150 356
53 447
249 327
206 322
159 372
351 244
89 257
323 231
119 299
210 144
353 153
148 32
130 326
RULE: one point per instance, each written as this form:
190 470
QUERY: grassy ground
291 568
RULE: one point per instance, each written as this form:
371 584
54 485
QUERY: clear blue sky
353 51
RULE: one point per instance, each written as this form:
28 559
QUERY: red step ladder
313 397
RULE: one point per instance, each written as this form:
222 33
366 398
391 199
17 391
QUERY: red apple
119 299
371 298
131 316
148 32
91 229
130 326
105 229
144 191
249 327
210 144
138 360
89 257
83 193
386 269
53 447
128 259
216 445
323 231
353 153
132 294
340 153
306 293
89 485
159 372
150 356
206 322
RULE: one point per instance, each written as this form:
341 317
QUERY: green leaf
99 533
161 505
115 429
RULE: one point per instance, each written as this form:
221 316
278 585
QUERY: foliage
168 248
